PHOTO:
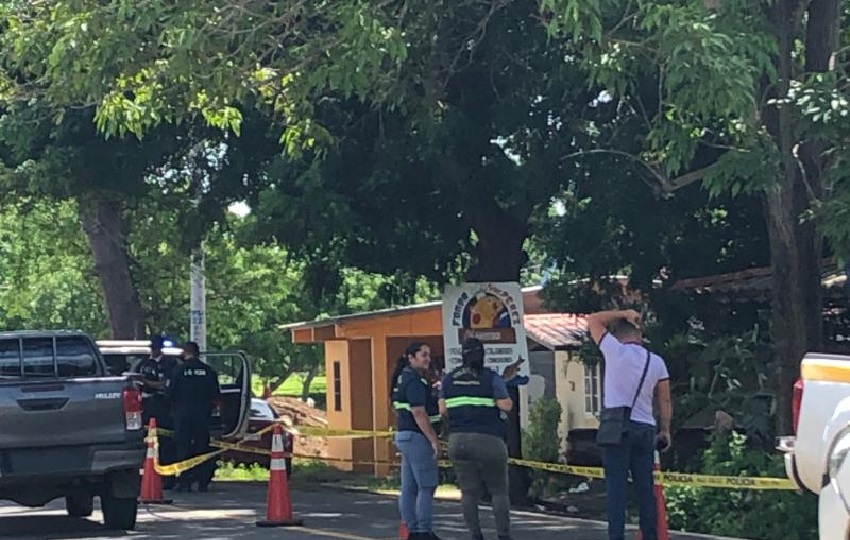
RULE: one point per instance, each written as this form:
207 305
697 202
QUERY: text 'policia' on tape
664 478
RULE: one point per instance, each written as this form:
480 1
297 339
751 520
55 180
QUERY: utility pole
197 299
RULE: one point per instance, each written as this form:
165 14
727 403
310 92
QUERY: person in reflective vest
474 399
416 412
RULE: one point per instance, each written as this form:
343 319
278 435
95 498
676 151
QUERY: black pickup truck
68 428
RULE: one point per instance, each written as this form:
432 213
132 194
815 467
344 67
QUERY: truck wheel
79 505
119 514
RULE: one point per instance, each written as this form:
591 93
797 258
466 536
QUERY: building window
592 401
337 388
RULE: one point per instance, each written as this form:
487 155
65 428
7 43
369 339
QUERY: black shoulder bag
613 422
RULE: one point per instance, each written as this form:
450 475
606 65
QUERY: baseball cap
157 342
472 345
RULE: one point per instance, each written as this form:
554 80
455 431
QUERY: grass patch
315 471
304 471
228 472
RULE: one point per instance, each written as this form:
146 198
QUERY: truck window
10 358
38 357
75 357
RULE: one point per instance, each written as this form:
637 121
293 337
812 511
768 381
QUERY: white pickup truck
816 457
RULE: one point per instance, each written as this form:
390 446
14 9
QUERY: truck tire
118 513
79 505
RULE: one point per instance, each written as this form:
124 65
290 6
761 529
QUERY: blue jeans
635 454
419 478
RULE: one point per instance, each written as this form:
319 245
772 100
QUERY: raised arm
597 323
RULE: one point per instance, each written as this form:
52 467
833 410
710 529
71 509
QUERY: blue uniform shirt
411 390
471 402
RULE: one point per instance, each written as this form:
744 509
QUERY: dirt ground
301 414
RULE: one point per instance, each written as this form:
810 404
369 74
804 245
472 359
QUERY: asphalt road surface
230 510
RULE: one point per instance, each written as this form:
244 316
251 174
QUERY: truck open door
234 378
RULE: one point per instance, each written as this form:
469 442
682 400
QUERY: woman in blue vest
474 399
416 439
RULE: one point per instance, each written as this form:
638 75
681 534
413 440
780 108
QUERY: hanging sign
492 313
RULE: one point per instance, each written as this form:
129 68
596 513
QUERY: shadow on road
51 527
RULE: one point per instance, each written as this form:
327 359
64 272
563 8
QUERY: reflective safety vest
470 402
401 404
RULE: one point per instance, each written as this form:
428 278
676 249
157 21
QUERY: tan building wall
579 408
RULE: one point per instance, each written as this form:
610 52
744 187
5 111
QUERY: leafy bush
541 441
756 514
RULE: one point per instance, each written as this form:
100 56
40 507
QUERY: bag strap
642 378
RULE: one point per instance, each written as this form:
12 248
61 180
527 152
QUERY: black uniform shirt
193 388
156 370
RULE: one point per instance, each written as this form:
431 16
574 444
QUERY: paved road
231 509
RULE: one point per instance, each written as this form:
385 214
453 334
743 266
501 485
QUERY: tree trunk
103 223
499 256
499 253
308 380
821 42
788 321
274 384
795 245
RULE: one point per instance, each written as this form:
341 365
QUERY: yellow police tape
664 478
176 469
350 433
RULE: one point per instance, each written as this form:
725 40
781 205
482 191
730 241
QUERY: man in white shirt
620 339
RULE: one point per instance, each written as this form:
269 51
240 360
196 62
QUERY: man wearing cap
193 390
155 371
474 398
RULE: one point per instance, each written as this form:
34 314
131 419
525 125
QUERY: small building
361 350
556 371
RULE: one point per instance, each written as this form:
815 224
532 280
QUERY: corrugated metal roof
555 330
529 297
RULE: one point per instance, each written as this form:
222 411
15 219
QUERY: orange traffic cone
402 530
660 505
278 505
151 481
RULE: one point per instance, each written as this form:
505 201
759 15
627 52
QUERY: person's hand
435 446
664 440
633 317
511 370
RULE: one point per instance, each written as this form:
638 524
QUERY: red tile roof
555 330
754 281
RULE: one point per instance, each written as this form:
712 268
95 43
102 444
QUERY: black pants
192 435
481 459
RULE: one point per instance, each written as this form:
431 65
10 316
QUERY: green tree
726 75
428 134
47 279
70 161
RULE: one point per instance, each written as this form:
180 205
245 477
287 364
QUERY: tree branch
664 183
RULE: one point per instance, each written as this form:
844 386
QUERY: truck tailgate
61 412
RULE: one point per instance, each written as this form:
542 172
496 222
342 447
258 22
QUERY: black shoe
430 536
